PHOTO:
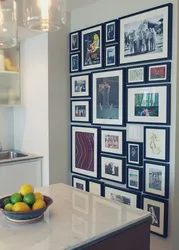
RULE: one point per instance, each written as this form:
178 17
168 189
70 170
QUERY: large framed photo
113 141
146 35
74 41
96 187
74 63
160 72
108 98
157 143
91 52
134 178
84 150
111 56
135 153
79 183
136 75
80 111
130 198
111 31
156 179
80 86
149 104
159 213
113 168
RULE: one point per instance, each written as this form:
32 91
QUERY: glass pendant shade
8 24
44 15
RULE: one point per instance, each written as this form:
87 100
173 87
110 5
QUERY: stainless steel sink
5 155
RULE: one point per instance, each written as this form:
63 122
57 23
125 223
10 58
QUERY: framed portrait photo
136 75
79 183
96 187
113 141
113 168
74 63
80 111
84 143
130 198
134 178
74 41
135 153
159 72
91 52
80 86
111 31
146 35
111 56
149 104
156 179
108 98
157 143
159 213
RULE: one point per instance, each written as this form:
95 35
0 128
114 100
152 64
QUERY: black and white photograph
111 56
134 178
74 63
74 41
110 31
80 86
136 75
80 111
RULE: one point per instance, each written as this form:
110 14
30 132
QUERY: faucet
0 147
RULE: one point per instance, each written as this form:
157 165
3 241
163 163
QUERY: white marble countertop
74 219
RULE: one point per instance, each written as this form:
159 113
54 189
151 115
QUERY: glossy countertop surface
74 219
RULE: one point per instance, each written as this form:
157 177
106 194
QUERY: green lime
8 207
16 197
6 201
29 199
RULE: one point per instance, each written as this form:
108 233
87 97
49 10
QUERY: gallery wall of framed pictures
120 98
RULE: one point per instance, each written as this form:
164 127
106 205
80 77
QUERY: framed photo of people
74 63
80 86
136 75
80 111
111 31
146 35
79 183
111 56
134 178
160 72
75 41
91 49
107 98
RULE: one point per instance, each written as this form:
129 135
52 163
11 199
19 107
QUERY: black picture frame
163 78
76 69
132 148
86 78
77 35
85 181
136 187
87 111
139 81
114 59
112 37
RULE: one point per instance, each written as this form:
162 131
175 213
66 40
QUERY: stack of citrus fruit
24 201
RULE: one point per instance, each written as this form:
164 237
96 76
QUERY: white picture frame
80 111
80 86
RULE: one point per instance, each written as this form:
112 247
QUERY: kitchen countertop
76 218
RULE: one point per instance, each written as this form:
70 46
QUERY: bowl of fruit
26 206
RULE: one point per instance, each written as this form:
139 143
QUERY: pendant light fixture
44 15
8 24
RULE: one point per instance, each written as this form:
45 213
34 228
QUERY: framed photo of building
160 72
159 213
74 63
146 35
79 183
80 86
111 30
96 187
107 98
113 141
136 75
135 153
91 51
157 143
149 104
80 111
111 56
75 41
156 179
134 178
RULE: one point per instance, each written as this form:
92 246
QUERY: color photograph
79 183
80 111
158 73
133 178
112 141
110 56
74 63
79 186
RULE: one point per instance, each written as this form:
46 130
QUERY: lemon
38 196
26 189
38 205
20 207
29 199
8 207
16 197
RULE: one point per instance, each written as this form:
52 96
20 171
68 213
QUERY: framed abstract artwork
80 111
156 179
157 143
146 35
136 75
160 72
80 86
111 31
113 168
84 143
135 153
134 178
159 213
113 141
91 48
149 104
96 187
111 56
107 98
79 183
74 63
74 41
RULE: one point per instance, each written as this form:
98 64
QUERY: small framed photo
111 56
111 31
135 133
136 75
130 198
80 86
75 41
159 72
134 178
74 63
156 179
79 183
149 104
159 213
135 153
96 187
157 143
80 111
113 169
113 141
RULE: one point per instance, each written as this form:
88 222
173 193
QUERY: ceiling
75 4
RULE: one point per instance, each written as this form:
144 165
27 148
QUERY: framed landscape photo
157 143
113 168
79 183
84 143
135 153
91 51
96 187
74 41
149 104
80 86
146 35
134 178
108 98
136 75
160 72
111 56
159 213
80 111
156 179
113 141
111 29
74 63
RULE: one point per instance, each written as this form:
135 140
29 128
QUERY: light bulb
44 6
